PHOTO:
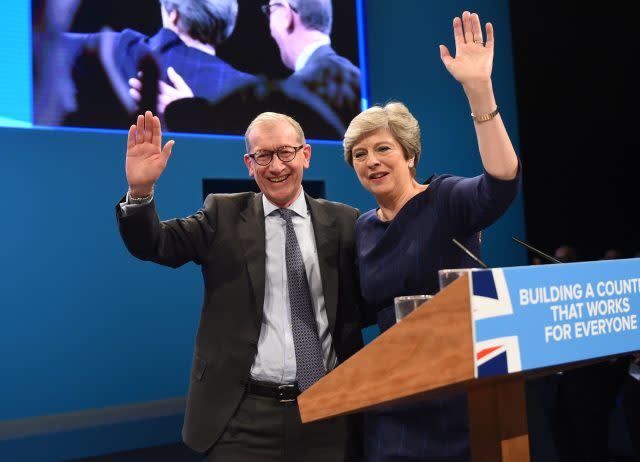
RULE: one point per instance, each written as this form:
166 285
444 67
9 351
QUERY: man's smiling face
280 182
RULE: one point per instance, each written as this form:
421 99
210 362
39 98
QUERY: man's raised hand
146 158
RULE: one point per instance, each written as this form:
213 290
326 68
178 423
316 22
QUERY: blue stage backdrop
85 327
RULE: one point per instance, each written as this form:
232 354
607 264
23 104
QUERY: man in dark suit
183 51
281 295
323 93
301 29
186 48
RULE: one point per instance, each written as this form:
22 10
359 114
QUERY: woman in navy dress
403 243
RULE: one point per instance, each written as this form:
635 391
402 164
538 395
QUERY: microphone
468 252
540 253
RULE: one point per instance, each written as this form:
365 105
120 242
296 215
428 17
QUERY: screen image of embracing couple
291 280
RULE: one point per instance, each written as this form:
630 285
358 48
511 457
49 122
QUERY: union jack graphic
498 356
491 299
490 294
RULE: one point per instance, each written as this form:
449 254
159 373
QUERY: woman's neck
390 204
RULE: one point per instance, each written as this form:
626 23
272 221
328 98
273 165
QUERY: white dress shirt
306 53
276 357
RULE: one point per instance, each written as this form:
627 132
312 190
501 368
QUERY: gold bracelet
484 117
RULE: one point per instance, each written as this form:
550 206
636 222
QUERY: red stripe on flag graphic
486 351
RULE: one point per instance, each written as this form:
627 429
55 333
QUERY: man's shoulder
331 204
128 38
323 52
326 56
336 208
167 42
239 200
209 76
228 68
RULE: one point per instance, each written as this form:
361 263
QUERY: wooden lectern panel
429 349
498 419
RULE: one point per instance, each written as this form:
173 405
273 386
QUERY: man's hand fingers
166 89
179 83
157 132
131 139
165 99
140 129
148 126
135 83
166 151
167 95
135 94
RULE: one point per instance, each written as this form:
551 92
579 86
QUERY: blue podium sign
538 316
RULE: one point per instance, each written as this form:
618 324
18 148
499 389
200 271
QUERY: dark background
577 110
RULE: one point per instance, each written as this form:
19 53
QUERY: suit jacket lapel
252 236
327 245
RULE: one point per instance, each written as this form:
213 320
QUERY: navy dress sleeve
476 203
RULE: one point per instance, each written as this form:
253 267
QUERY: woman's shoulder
367 218
441 185
443 180
433 186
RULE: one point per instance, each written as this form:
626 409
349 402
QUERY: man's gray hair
270 117
208 21
314 14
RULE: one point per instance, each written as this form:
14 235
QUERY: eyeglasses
267 9
284 153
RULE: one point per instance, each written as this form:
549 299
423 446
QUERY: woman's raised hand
474 56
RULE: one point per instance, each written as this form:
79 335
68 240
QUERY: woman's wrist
484 116
480 96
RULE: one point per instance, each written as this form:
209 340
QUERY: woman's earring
411 163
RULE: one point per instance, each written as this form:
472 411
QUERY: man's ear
174 17
249 164
306 151
291 20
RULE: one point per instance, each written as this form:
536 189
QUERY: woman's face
379 162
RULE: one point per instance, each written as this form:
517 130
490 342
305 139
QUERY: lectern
484 333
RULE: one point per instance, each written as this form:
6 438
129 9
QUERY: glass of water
447 276
408 303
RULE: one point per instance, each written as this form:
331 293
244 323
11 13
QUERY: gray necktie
309 362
